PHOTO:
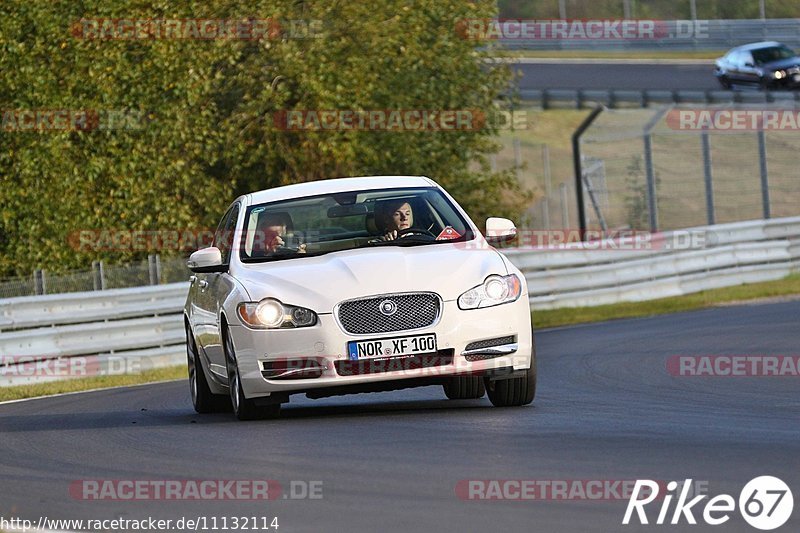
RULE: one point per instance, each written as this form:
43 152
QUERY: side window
223 237
745 58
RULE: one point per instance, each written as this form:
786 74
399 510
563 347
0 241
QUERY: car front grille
405 311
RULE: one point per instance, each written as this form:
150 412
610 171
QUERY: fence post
650 174
708 178
97 275
564 206
652 200
152 269
517 158
762 163
38 282
39 286
547 186
577 163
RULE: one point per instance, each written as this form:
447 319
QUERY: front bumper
326 344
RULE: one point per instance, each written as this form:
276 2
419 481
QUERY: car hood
321 282
781 64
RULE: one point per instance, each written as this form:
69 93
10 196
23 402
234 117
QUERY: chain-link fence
153 271
665 168
677 167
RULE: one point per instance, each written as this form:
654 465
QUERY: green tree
207 132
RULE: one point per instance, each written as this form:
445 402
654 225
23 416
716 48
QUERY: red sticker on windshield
447 234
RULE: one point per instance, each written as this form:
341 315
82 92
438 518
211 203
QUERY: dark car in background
766 65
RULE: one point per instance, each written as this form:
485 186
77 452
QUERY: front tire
203 400
464 388
515 391
244 408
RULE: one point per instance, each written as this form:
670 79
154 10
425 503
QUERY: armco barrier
717 35
146 323
586 275
618 98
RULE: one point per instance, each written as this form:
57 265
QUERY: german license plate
392 347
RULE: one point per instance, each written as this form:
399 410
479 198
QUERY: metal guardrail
585 98
145 324
740 252
74 308
679 35
72 335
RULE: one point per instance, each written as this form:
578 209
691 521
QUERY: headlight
272 314
780 74
495 290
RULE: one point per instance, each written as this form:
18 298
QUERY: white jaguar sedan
355 285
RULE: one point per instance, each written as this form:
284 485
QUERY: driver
393 217
271 230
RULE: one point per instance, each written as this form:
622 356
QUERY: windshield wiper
282 254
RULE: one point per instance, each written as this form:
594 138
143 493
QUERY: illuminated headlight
780 74
272 314
495 290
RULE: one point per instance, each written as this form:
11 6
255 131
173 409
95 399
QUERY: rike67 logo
765 503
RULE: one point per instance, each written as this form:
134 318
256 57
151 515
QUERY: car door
735 64
748 71
220 285
210 291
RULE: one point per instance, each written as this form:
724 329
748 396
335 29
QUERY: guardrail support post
576 160
762 163
708 178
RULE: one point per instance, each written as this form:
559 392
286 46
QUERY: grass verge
18 392
711 298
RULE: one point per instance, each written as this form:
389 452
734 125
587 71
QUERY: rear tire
203 400
464 388
244 408
515 391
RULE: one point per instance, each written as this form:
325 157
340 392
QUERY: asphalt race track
606 409
595 75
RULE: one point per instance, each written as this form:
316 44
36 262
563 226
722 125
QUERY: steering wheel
414 231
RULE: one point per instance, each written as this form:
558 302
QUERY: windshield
773 53
317 225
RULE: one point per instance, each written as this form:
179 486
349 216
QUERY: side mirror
749 64
206 260
500 230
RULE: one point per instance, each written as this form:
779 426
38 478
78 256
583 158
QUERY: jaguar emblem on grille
388 307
